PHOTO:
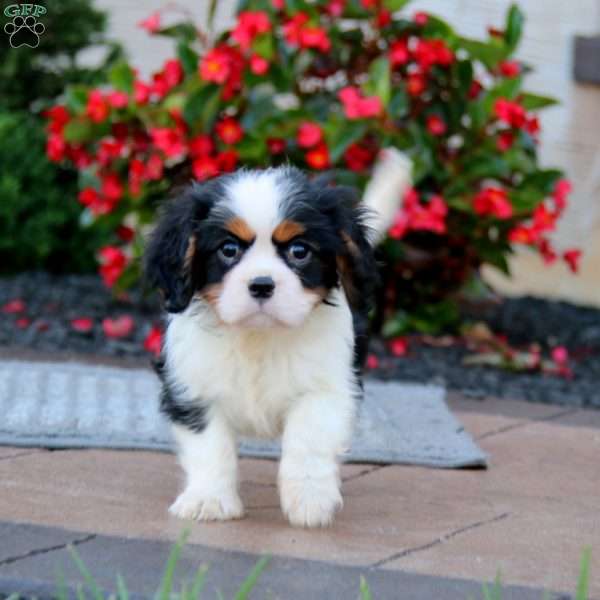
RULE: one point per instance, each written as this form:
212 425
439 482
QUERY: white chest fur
253 377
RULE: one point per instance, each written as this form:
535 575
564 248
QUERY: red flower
125 233
80 157
229 130
56 147
249 25
23 322
201 145
357 106
562 189
108 150
293 27
510 68
154 168
336 7
112 188
58 116
95 202
97 108
505 140
493 201
118 99
152 23
369 4
82 324
227 161
13 307
543 219
428 53
223 65
205 167
314 37
372 361
384 18
170 140
522 234
547 251
276 145
511 113
532 126
113 262
258 64
153 341
560 355
170 76
318 158
358 158
572 258
436 125
421 18
399 53
309 135
119 327
399 346
413 215
415 84
474 89
141 92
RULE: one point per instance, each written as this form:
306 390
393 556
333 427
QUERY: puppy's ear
356 266
170 257
356 263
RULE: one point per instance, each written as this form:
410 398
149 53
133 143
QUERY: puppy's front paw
310 502
192 504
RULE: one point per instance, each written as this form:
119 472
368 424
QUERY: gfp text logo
24 29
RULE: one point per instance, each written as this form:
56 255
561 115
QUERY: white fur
278 368
384 193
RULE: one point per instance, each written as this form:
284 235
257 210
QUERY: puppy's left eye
298 253
230 251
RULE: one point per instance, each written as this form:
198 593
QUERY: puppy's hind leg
209 459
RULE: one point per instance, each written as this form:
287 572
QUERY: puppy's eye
298 253
229 251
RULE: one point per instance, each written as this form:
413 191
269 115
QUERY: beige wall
571 132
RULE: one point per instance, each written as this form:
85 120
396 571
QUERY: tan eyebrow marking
286 230
240 229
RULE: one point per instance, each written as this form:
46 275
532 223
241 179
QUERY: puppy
267 277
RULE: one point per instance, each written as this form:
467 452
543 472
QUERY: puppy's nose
261 287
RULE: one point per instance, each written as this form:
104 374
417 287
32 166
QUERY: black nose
261 287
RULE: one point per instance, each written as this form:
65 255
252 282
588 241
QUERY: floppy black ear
356 266
169 261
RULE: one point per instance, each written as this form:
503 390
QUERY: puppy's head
261 248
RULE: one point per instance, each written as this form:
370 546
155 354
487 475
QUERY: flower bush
325 84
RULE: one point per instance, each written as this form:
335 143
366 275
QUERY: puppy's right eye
229 252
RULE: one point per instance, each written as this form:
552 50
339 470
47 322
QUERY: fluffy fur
267 277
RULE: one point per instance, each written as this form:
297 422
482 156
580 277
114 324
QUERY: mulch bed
52 302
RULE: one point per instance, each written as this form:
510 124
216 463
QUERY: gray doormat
73 405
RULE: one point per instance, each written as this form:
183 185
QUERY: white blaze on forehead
256 198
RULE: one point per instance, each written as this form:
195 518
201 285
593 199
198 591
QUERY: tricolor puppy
268 278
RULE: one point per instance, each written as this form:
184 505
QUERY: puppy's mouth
260 319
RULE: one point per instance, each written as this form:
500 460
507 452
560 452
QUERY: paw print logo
24 31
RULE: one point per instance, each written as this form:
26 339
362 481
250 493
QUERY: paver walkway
530 515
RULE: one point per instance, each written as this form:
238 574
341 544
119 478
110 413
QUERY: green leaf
78 130
584 575
76 98
185 32
514 27
250 581
365 592
188 58
395 5
210 16
525 200
201 108
339 139
536 102
489 53
379 83
121 77
264 46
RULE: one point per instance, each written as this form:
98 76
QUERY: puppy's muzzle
261 288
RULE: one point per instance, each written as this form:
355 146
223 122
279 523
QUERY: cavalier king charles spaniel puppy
267 277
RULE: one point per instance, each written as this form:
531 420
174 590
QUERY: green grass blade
167 579
584 575
199 582
61 586
365 592
80 592
251 580
14 596
85 573
220 595
122 593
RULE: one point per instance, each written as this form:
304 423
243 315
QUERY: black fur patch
176 407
